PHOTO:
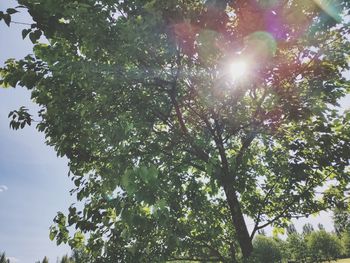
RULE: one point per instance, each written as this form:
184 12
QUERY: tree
282 246
180 117
307 229
320 226
3 258
45 260
323 246
297 247
291 229
80 256
345 241
341 219
266 249
262 232
66 259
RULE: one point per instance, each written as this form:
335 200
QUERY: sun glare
238 69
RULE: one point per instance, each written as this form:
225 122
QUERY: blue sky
33 181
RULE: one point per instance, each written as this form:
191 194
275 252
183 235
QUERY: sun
238 69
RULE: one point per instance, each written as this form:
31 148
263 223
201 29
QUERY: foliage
168 149
266 249
323 246
320 226
297 247
345 241
66 259
308 229
3 258
291 229
262 232
282 247
20 118
80 256
341 219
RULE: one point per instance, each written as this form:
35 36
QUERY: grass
345 260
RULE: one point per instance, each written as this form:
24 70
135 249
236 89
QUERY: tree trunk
238 221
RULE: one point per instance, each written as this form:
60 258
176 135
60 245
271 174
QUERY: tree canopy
341 218
181 119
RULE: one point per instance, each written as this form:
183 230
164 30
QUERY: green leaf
53 233
7 19
35 36
169 142
11 11
25 32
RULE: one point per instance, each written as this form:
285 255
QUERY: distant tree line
309 246
77 256
3 258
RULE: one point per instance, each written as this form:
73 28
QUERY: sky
33 182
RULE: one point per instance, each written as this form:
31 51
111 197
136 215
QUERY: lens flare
238 69
207 45
330 8
267 3
260 46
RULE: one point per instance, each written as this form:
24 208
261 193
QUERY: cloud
12 259
3 188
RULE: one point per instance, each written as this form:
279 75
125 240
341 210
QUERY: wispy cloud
3 188
13 259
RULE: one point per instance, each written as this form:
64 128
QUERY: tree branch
287 207
260 211
245 144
